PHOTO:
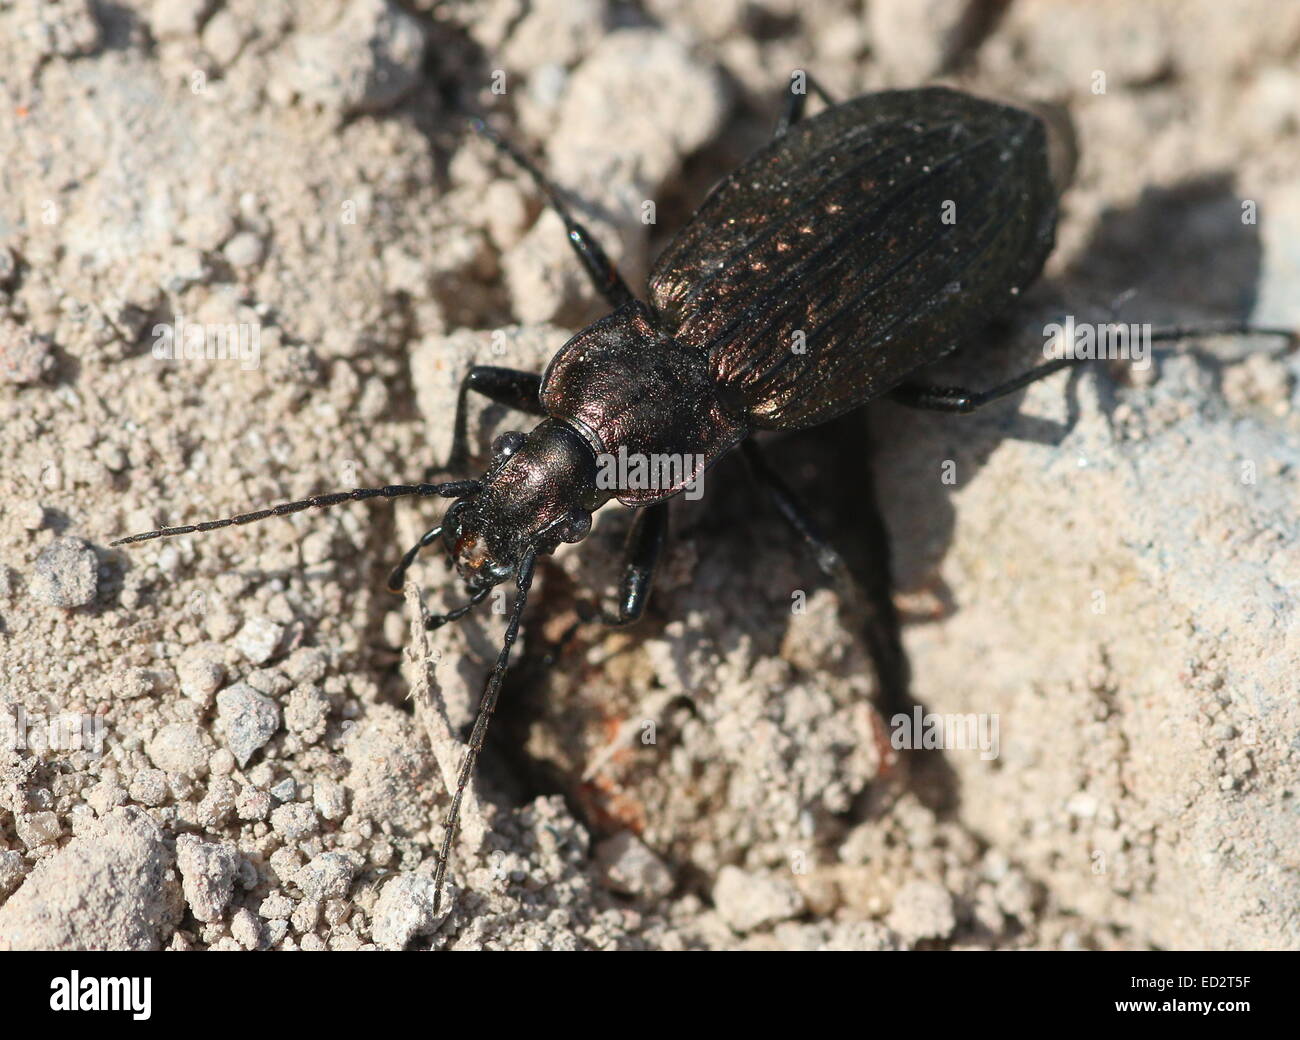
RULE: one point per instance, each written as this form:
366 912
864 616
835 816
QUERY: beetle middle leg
645 542
600 269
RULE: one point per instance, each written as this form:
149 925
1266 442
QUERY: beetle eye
508 443
576 526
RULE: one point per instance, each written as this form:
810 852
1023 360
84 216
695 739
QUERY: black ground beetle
857 247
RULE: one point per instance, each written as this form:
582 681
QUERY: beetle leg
398 578
436 621
871 598
792 510
604 275
957 399
507 386
645 542
797 100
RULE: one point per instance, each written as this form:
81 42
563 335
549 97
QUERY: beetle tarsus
957 399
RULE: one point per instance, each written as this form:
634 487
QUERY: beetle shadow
1207 270
1190 258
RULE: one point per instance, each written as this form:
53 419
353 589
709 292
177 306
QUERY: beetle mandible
820 274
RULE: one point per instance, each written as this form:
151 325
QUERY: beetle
822 273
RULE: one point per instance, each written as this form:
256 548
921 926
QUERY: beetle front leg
508 386
645 544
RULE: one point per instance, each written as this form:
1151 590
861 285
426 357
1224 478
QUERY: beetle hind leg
957 399
792 511
872 599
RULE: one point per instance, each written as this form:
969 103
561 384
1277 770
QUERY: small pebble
243 250
31 515
922 910
246 929
306 712
330 798
249 720
295 821
368 62
306 665
208 871
253 804
13 868
748 902
37 828
404 911
223 37
66 574
259 639
24 356
328 876
285 790
626 865
201 670
149 787
178 748
276 906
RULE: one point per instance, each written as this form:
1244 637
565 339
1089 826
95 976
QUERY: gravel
111 888
1111 572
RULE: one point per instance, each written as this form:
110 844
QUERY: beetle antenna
487 706
451 489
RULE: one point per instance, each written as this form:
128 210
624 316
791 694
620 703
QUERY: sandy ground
1104 567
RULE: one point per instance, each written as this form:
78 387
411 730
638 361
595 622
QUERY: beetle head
539 491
